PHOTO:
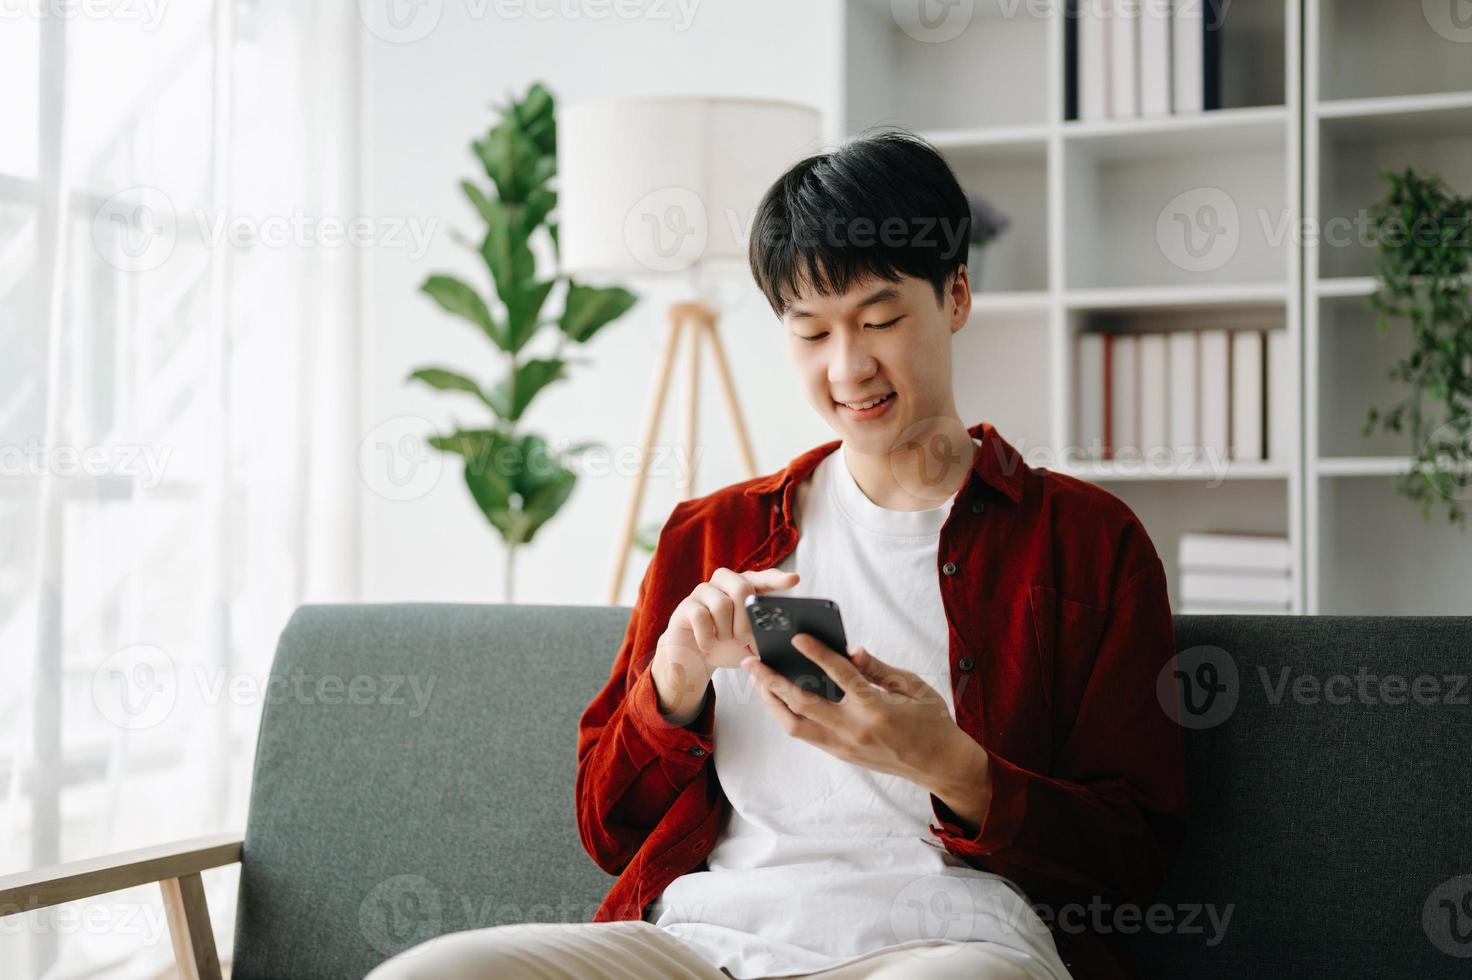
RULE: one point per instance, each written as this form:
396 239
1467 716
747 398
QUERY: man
999 771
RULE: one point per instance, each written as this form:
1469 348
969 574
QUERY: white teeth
860 406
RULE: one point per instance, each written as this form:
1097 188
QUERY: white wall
425 100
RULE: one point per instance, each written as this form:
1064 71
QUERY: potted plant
986 224
515 480
1425 257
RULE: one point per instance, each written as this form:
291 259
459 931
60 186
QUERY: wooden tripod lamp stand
663 186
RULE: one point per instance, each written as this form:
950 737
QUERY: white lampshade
664 184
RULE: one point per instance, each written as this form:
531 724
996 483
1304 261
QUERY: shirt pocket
1067 633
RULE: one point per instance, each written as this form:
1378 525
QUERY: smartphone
773 621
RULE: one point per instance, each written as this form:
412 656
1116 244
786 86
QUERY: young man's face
854 357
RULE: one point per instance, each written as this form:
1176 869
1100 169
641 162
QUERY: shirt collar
997 464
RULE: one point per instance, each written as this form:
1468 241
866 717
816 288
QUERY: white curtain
178 375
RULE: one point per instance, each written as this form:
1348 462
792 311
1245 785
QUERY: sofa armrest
175 867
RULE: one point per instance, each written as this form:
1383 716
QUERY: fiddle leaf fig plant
1425 279
518 483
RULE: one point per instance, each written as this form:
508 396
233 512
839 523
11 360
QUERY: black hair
823 222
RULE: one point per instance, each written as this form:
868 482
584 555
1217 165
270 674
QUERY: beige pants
635 949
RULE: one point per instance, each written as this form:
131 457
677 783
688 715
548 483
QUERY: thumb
876 670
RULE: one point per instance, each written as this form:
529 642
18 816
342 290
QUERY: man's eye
814 337
885 326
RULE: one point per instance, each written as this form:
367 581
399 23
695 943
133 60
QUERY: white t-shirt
823 861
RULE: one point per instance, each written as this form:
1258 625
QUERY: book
1124 394
1155 58
1239 587
1089 384
1206 550
1247 394
1124 58
1154 392
1281 394
1196 37
1093 58
1184 379
1213 406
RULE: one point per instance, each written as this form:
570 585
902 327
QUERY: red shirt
1059 625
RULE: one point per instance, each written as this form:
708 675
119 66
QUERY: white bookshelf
1082 250
1384 87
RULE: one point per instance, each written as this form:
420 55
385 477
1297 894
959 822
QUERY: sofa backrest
414 776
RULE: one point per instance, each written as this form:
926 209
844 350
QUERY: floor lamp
668 186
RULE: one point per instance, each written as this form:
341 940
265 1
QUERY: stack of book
1235 573
1144 57
1200 394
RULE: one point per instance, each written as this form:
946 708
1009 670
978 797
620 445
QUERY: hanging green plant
1425 236
518 483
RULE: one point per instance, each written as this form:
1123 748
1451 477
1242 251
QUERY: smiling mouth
866 403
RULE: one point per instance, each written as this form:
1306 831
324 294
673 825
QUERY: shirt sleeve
1110 817
633 763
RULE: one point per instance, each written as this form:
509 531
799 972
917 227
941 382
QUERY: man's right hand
708 629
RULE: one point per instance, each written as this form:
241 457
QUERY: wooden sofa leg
189 928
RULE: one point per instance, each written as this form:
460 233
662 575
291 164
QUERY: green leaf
522 311
511 395
513 161
446 380
509 257
465 442
536 114
483 205
589 308
460 299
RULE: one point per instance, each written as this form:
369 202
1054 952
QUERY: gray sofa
1330 836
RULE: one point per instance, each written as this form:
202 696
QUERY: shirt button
966 663
949 568
697 750
977 506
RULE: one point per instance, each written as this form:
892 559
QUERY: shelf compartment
1208 213
1354 149
1370 48
1364 524
993 72
1015 180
